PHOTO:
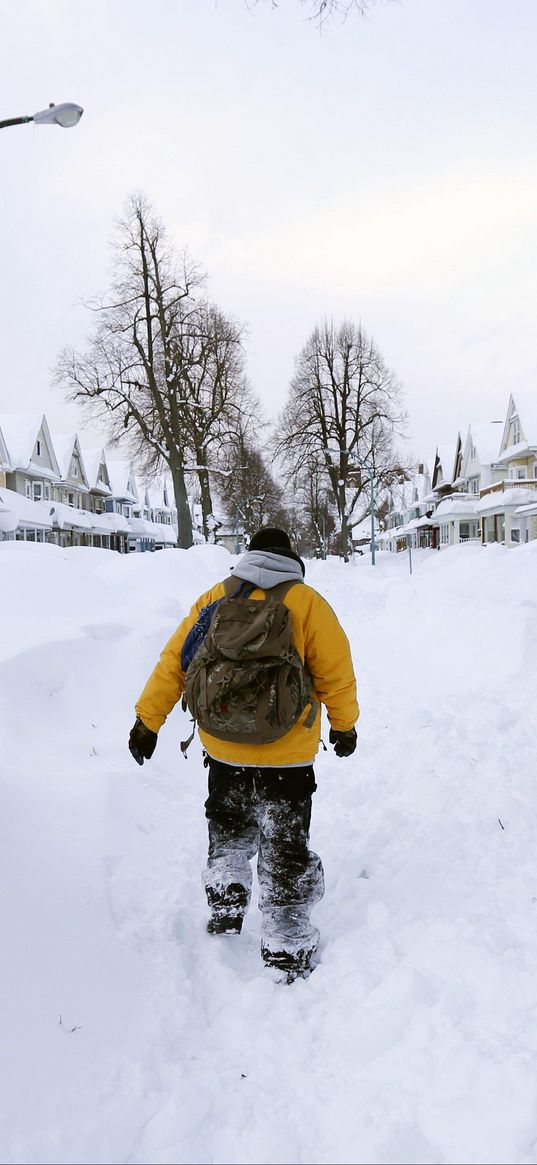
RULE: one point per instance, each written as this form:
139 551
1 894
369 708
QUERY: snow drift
128 1034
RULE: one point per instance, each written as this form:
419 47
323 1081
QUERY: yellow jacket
323 646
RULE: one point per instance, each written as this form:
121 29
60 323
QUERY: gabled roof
486 436
523 402
21 431
122 477
444 465
65 445
526 404
93 459
4 455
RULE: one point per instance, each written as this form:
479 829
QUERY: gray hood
266 569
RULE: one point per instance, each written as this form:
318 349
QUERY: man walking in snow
260 786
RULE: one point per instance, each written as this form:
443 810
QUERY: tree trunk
342 507
205 490
184 519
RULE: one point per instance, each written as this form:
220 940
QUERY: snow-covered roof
514 451
93 458
417 523
486 437
155 497
456 508
142 526
499 500
20 434
68 517
166 533
115 523
446 459
65 445
21 431
527 511
18 510
120 474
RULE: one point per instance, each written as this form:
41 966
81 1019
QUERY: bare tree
314 506
208 348
164 368
252 497
322 10
343 412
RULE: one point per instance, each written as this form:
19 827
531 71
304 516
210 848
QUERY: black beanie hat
269 538
275 541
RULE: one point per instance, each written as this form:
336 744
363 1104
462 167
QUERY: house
72 487
480 455
505 504
98 479
411 504
124 494
121 503
32 467
153 522
4 459
445 468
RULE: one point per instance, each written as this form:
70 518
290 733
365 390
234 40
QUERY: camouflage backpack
245 681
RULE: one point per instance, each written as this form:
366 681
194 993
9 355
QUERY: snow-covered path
415 1040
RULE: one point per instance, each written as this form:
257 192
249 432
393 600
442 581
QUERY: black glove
142 741
344 742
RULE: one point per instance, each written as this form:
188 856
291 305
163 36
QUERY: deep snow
415 1040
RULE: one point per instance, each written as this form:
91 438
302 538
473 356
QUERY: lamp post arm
14 121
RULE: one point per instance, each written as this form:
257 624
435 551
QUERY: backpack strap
279 592
234 585
281 589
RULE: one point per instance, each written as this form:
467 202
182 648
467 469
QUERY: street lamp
65 115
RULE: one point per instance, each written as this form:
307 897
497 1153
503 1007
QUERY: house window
38 448
47 492
474 485
444 534
521 473
515 535
28 489
515 430
38 491
473 452
71 499
75 470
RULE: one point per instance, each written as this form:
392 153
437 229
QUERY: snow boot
296 964
228 907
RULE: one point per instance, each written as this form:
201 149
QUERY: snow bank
414 1039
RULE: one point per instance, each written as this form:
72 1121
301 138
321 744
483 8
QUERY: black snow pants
265 811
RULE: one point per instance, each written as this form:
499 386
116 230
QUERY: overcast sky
384 170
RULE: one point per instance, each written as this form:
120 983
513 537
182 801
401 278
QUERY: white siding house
502 503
